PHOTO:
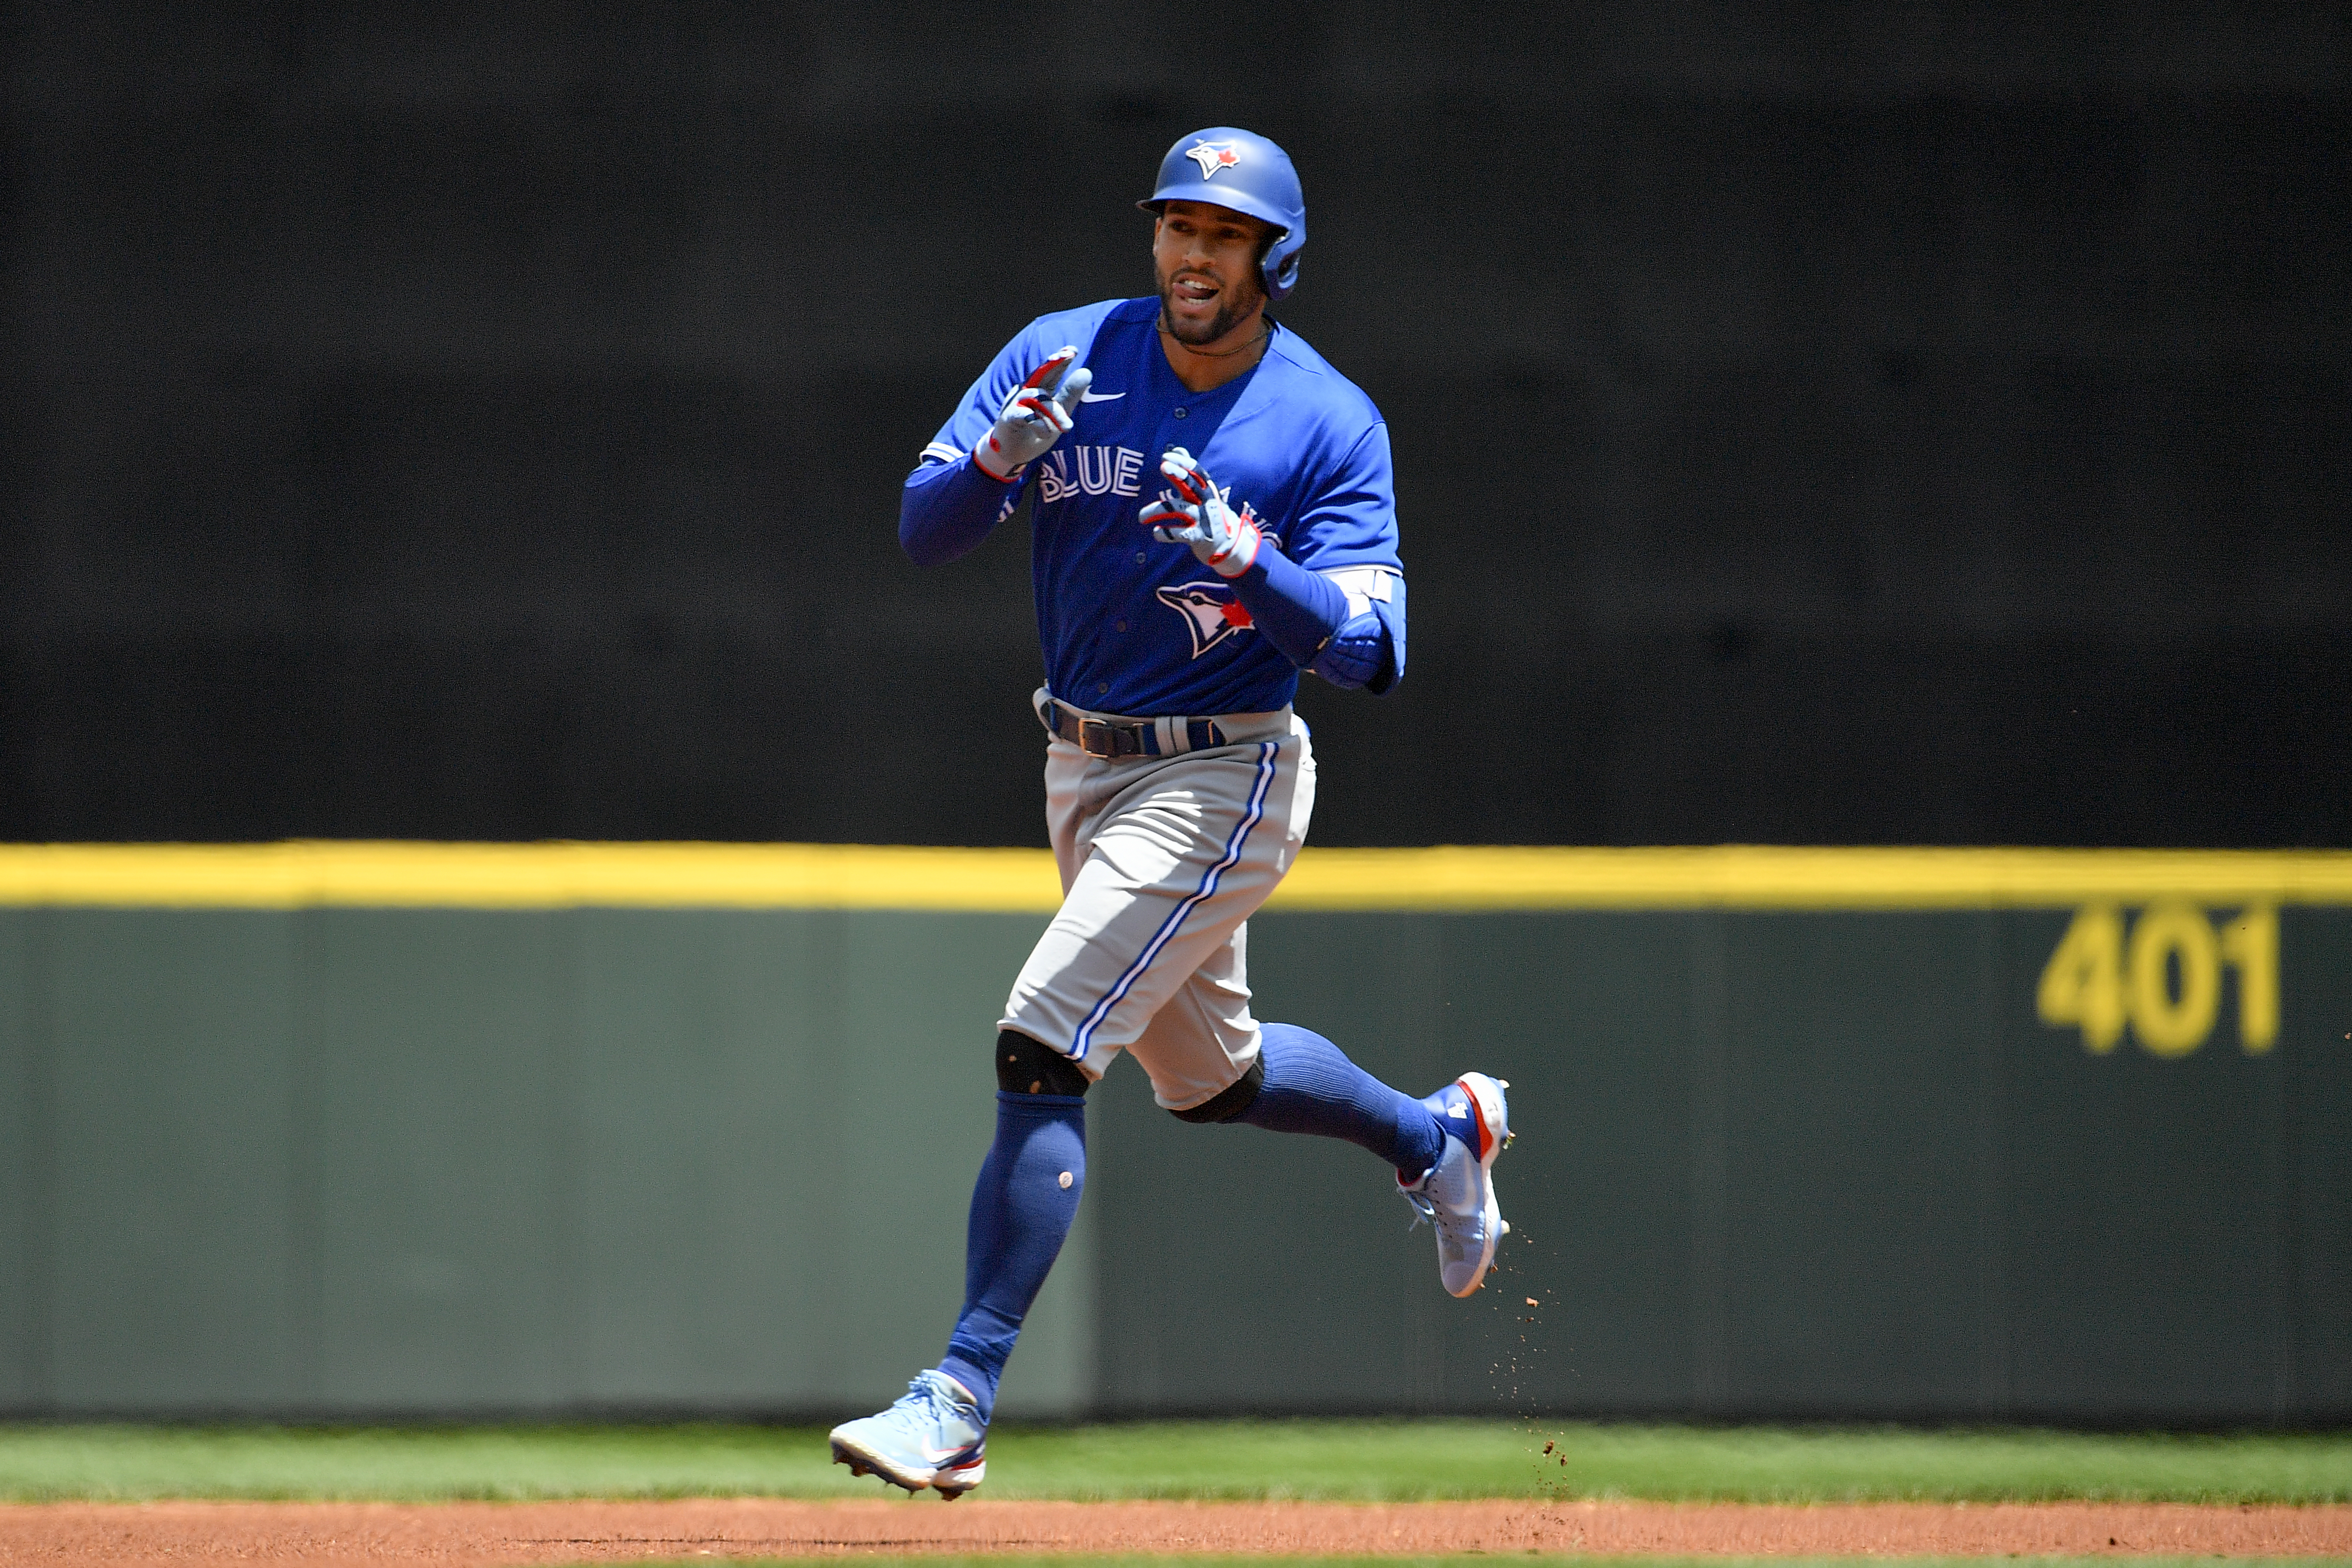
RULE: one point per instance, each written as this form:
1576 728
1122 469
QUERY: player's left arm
1367 651
1345 533
1345 622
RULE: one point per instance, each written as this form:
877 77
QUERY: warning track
534 1532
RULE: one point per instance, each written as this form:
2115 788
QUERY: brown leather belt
1113 737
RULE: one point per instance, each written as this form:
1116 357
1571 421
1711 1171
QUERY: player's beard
1234 304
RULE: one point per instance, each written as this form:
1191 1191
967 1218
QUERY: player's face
1204 259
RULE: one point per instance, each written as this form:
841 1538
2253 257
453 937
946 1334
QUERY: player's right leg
1022 1208
933 1436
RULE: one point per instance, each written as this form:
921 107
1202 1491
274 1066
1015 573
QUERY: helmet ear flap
1281 276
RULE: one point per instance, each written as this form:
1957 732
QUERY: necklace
1216 354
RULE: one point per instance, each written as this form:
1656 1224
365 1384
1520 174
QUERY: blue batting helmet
1244 170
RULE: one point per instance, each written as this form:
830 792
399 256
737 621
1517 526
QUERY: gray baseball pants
1163 860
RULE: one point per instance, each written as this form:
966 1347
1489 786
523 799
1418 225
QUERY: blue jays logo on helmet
1244 172
1213 156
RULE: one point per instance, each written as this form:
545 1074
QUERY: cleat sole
1494 1123
953 1484
857 1468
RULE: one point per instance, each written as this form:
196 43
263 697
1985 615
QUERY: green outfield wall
366 1130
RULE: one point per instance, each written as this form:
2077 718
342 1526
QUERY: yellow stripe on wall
1765 877
309 874
354 874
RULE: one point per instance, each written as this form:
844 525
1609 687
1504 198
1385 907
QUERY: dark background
1818 424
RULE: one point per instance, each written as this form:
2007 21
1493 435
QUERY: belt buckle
1098 738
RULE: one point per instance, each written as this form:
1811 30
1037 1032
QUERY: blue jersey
1130 625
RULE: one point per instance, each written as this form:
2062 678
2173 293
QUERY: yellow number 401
2165 979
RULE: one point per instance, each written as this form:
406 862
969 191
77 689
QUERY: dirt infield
178 1532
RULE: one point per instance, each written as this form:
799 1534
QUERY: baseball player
1213 513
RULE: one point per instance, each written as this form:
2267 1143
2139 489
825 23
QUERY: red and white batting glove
1036 415
1192 511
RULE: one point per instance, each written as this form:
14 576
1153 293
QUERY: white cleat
932 1438
1456 1196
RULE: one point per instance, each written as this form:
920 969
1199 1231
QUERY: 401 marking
2161 974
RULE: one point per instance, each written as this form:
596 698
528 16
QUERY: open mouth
1193 289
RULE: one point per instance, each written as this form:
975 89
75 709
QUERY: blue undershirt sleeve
1294 608
1346 535
947 508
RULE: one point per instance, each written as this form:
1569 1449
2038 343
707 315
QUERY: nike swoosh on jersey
1100 396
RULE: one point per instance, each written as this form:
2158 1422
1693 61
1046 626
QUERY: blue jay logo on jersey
1210 611
1213 156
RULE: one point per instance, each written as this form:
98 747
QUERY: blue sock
1021 1209
1312 1086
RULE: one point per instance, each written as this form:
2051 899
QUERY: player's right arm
968 478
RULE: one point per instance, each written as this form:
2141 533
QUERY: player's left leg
1308 1084
1442 1146
1289 1080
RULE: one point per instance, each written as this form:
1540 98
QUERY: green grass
1334 1459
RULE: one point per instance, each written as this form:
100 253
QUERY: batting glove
1036 415
1192 511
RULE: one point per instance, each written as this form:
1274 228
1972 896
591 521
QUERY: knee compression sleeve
1024 1066
1232 1100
